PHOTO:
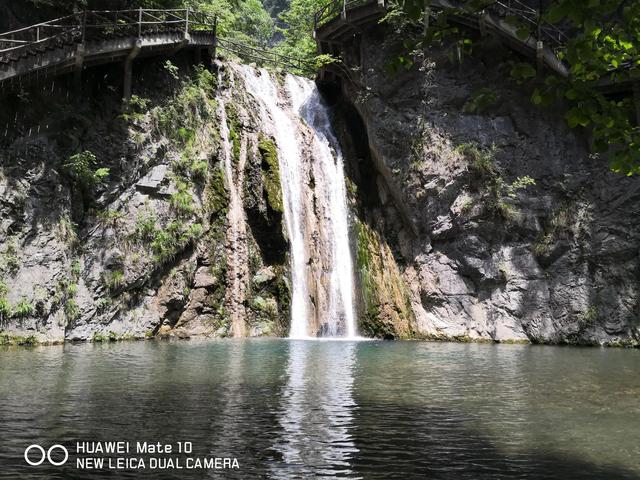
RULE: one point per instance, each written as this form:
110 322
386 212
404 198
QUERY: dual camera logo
35 455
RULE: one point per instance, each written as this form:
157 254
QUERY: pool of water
309 409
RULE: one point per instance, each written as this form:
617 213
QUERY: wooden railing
98 24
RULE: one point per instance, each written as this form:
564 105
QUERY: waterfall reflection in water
318 440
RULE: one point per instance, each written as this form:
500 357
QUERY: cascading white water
307 101
309 154
262 87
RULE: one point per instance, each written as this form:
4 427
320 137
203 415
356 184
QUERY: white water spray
308 152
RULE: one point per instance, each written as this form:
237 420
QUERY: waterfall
263 88
315 204
308 102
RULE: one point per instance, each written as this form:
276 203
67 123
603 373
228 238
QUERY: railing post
344 10
482 23
215 38
540 54
84 26
186 22
636 100
427 14
37 33
140 22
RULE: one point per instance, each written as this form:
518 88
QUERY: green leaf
522 71
556 13
571 94
576 117
536 98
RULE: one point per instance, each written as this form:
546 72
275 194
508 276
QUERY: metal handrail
76 26
502 8
244 50
85 26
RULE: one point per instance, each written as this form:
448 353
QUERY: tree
298 31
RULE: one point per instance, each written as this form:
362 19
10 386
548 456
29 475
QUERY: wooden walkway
72 43
339 20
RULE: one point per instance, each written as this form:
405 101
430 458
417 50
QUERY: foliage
245 20
182 200
5 308
114 280
175 237
67 231
99 337
297 28
76 269
482 161
199 169
589 316
487 177
604 45
135 108
481 100
10 260
217 195
23 309
102 304
72 289
29 341
145 227
71 309
82 169
171 69
557 227
387 311
179 119
109 217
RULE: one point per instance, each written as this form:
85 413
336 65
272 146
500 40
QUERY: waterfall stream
315 203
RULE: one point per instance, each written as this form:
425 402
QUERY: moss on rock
234 125
387 311
217 195
271 173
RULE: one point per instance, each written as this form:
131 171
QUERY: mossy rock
6 339
234 125
217 195
271 173
387 312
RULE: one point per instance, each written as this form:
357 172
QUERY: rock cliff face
153 245
501 225
475 216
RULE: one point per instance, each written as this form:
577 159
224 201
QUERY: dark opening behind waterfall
320 409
